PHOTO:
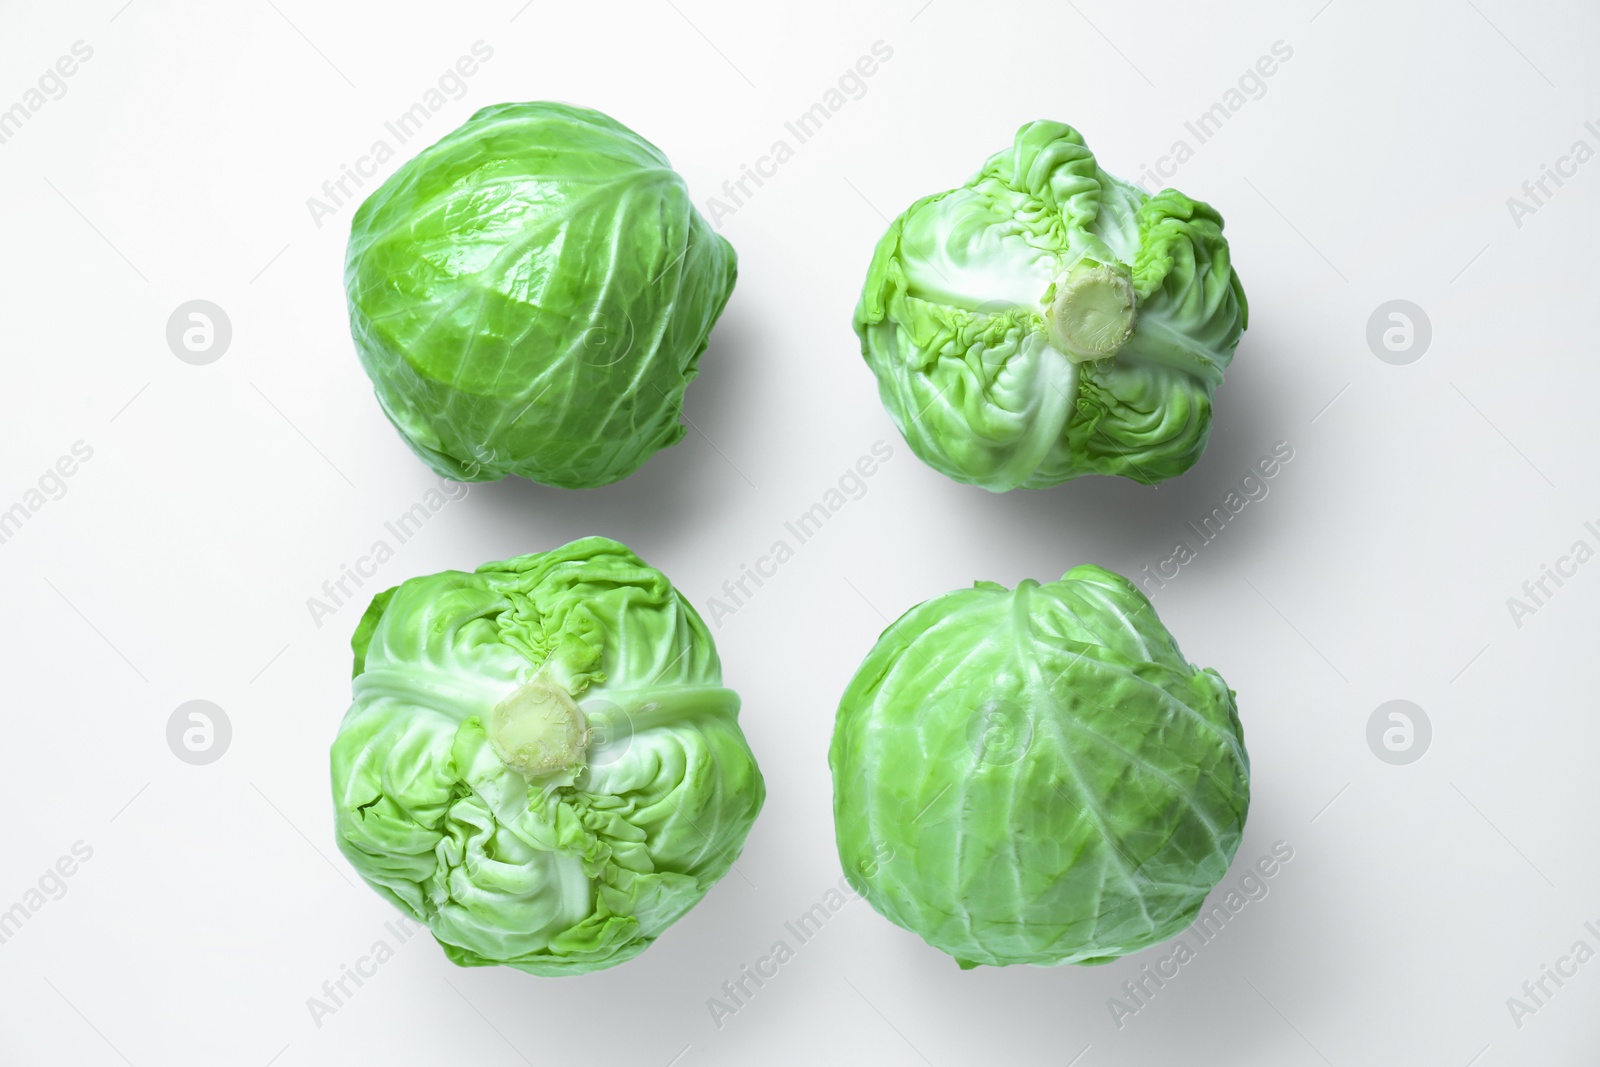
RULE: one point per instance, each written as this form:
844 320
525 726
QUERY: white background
178 563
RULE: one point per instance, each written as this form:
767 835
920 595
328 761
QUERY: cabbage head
531 296
1046 320
1037 775
541 762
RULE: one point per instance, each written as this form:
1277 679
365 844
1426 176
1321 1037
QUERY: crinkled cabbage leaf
531 296
541 762
1046 320
1037 775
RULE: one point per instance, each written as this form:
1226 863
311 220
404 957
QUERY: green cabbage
1046 321
540 762
531 296
1038 775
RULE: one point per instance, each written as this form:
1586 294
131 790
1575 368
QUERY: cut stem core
1093 312
538 730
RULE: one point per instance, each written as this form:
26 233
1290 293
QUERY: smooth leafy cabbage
1037 775
1046 320
540 762
531 296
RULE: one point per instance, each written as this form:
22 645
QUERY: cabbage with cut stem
541 762
1046 321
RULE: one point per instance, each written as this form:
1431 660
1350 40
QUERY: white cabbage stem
1093 312
538 730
